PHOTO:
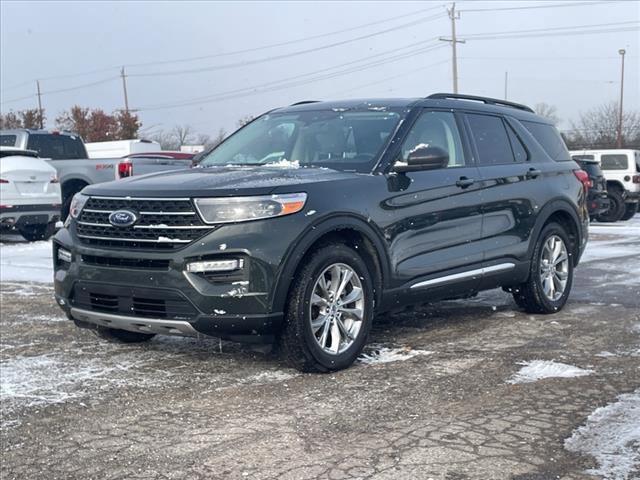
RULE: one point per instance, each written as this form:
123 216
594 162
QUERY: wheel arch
349 229
566 215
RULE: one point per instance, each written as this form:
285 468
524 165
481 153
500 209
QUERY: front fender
315 232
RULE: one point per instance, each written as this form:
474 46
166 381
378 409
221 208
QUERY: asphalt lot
450 391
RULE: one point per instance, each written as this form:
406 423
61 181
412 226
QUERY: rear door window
549 138
8 140
614 162
491 139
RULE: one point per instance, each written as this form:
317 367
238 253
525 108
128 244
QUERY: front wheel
550 274
330 311
630 210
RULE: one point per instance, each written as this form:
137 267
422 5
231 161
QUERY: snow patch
284 163
387 355
26 262
611 435
222 246
538 369
271 376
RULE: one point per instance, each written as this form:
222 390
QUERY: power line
393 51
259 89
560 34
534 7
62 90
286 55
288 42
236 52
551 29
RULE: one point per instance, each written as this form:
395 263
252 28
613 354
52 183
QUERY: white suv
621 169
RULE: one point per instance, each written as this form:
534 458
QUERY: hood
219 182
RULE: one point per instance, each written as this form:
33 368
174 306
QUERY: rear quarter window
550 140
8 140
614 162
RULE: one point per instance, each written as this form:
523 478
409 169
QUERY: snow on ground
611 435
538 369
26 262
379 354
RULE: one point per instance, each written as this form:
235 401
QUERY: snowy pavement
459 390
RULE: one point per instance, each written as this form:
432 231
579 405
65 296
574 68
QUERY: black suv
598 202
312 219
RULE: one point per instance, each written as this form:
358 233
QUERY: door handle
464 182
533 173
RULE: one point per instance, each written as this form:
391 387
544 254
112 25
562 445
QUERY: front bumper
631 197
93 290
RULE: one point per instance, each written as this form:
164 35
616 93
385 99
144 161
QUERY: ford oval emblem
122 218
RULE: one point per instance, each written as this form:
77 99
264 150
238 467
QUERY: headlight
77 204
242 209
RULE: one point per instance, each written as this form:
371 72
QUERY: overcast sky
399 56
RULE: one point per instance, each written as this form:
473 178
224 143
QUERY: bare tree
550 112
244 120
598 128
183 134
167 140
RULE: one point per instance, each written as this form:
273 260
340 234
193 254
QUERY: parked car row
615 177
28 153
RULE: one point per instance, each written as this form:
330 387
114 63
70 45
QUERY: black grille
140 263
161 224
131 301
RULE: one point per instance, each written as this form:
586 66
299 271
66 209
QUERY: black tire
116 335
616 207
33 233
630 210
530 295
297 341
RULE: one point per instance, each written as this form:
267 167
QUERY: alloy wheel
554 267
337 308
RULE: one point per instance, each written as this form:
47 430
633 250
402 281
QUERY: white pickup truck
66 152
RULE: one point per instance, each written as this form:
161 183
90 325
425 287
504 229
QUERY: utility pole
622 51
506 82
453 15
124 87
40 105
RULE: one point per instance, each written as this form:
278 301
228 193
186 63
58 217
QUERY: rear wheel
550 275
629 211
330 311
122 336
616 207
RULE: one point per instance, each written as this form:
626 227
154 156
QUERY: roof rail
487 100
303 102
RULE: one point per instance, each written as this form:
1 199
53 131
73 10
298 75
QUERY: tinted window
583 157
592 168
549 138
519 150
435 129
614 162
491 139
57 147
8 140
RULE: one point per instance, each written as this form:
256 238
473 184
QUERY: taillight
584 178
636 179
125 169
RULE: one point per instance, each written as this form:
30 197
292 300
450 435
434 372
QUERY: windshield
348 141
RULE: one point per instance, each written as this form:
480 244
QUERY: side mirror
423 157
